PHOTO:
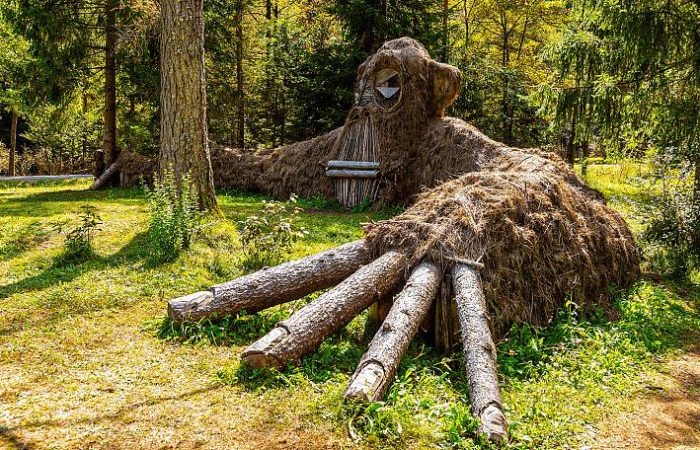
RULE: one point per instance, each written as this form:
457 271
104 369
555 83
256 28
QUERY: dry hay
297 168
134 167
541 236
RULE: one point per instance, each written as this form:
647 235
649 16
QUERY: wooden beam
353 165
479 353
377 368
333 173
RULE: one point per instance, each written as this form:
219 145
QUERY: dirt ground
667 419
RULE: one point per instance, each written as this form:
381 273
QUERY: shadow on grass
9 433
338 354
58 272
15 242
40 204
133 252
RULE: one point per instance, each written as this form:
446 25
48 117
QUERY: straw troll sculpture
498 235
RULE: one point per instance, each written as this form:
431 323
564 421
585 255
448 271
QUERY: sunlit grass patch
92 336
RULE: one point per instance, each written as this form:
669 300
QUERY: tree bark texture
377 368
479 352
109 126
184 147
240 112
107 175
304 331
269 287
13 143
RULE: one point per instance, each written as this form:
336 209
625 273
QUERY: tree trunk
445 32
378 366
307 328
696 182
269 287
479 352
240 111
109 126
104 179
84 143
13 143
184 146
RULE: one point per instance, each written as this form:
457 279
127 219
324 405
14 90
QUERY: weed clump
78 244
175 219
267 237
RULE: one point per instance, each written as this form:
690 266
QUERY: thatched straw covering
541 236
297 168
540 233
133 168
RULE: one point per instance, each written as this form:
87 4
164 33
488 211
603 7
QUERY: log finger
106 176
304 331
269 287
378 365
479 353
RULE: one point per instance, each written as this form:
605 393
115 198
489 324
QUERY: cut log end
179 309
259 355
366 385
493 424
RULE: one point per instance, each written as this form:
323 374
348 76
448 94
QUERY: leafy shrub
268 236
175 220
672 221
673 229
78 246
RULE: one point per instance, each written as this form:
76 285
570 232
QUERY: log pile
360 283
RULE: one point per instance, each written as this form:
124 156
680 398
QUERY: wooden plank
353 165
352 173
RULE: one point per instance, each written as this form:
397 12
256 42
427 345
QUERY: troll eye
387 84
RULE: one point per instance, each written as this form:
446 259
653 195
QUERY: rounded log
377 368
479 353
304 331
273 286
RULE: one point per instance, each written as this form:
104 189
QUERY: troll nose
363 96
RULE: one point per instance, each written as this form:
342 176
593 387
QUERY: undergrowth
78 244
557 381
175 220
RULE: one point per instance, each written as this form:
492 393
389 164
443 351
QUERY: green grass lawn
89 361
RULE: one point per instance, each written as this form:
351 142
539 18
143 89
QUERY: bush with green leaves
267 237
175 219
672 220
78 245
673 232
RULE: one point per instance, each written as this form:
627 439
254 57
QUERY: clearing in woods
88 361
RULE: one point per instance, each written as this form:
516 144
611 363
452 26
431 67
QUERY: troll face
400 93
